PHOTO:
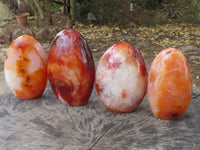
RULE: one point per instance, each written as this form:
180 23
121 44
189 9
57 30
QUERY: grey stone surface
45 124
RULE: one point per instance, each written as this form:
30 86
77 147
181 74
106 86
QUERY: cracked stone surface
45 124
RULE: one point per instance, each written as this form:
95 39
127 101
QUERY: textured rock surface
46 124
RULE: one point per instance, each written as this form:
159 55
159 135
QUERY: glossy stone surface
71 69
169 84
25 68
121 78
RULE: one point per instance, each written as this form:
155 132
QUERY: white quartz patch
10 70
117 80
13 81
35 62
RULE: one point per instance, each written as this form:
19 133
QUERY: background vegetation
108 12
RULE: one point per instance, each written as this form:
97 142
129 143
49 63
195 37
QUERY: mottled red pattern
71 69
111 62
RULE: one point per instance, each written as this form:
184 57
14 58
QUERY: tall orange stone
169 88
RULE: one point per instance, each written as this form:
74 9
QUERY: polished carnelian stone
25 68
70 68
169 84
121 78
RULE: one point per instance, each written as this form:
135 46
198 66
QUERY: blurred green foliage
53 7
196 4
1 18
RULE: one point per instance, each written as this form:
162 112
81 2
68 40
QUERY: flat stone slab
46 124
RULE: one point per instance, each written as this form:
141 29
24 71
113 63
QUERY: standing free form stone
70 68
121 78
169 84
25 68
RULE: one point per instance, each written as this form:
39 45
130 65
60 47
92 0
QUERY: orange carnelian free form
25 68
169 84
